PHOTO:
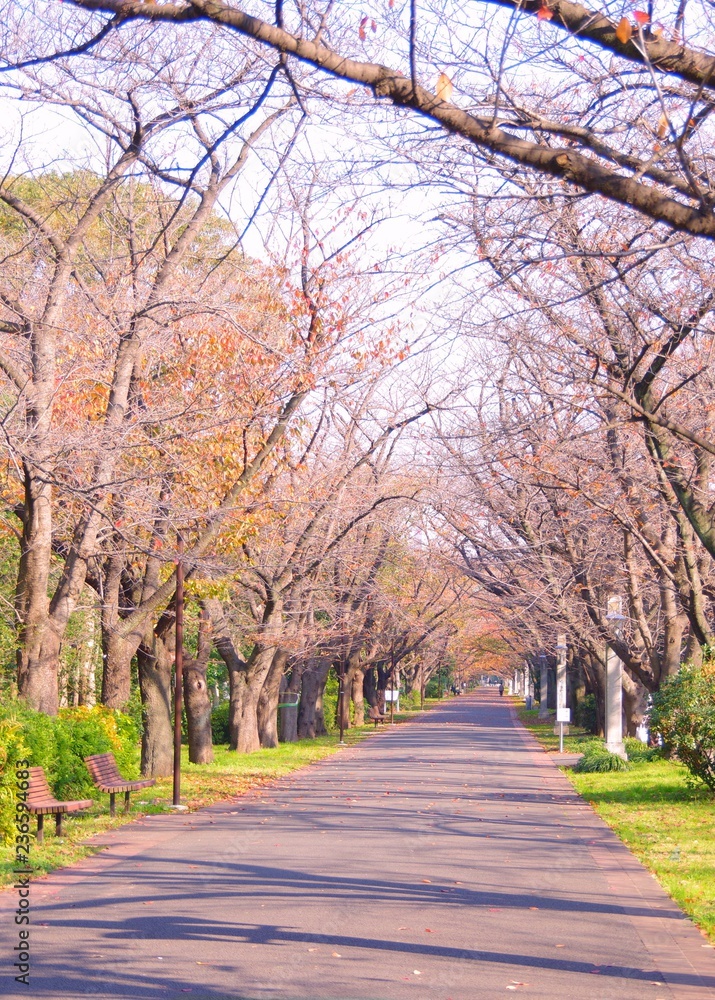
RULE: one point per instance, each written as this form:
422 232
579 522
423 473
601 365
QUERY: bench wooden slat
41 802
105 774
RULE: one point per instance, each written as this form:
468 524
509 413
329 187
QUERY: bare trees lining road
444 859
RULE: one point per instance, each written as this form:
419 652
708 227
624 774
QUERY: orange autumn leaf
544 14
624 31
641 17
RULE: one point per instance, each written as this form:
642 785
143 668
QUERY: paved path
447 859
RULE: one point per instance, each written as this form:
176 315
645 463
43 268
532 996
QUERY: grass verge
665 821
231 774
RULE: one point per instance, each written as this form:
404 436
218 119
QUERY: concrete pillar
528 687
614 684
544 679
561 671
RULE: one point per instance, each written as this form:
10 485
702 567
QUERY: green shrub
683 714
410 702
596 758
12 749
639 751
585 714
60 743
219 723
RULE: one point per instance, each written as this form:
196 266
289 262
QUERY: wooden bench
42 803
376 715
105 774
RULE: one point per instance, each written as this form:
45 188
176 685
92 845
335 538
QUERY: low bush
683 714
638 751
596 758
219 724
12 749
585 714
60 743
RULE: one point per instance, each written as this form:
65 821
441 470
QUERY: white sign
563 714
392 695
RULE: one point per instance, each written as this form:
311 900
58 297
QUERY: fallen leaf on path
533 907
416 972
336 954
427 880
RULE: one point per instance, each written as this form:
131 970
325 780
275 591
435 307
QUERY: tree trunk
289 716
635 698
198 712
243 715
117 654
197 697
351 665
36 671
155 660
358 700
311 721
267 711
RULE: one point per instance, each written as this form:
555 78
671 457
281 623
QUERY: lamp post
614 681
392 685
178 672
341 701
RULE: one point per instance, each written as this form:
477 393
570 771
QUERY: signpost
563 717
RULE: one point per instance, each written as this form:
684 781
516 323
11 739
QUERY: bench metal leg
40 828
58 824
112 804
126 802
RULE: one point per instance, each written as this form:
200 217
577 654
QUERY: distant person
501 690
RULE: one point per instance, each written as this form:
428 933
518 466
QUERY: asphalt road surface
447 859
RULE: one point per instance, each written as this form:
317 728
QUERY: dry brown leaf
445 88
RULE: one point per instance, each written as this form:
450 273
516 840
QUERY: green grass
230 774
666 822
